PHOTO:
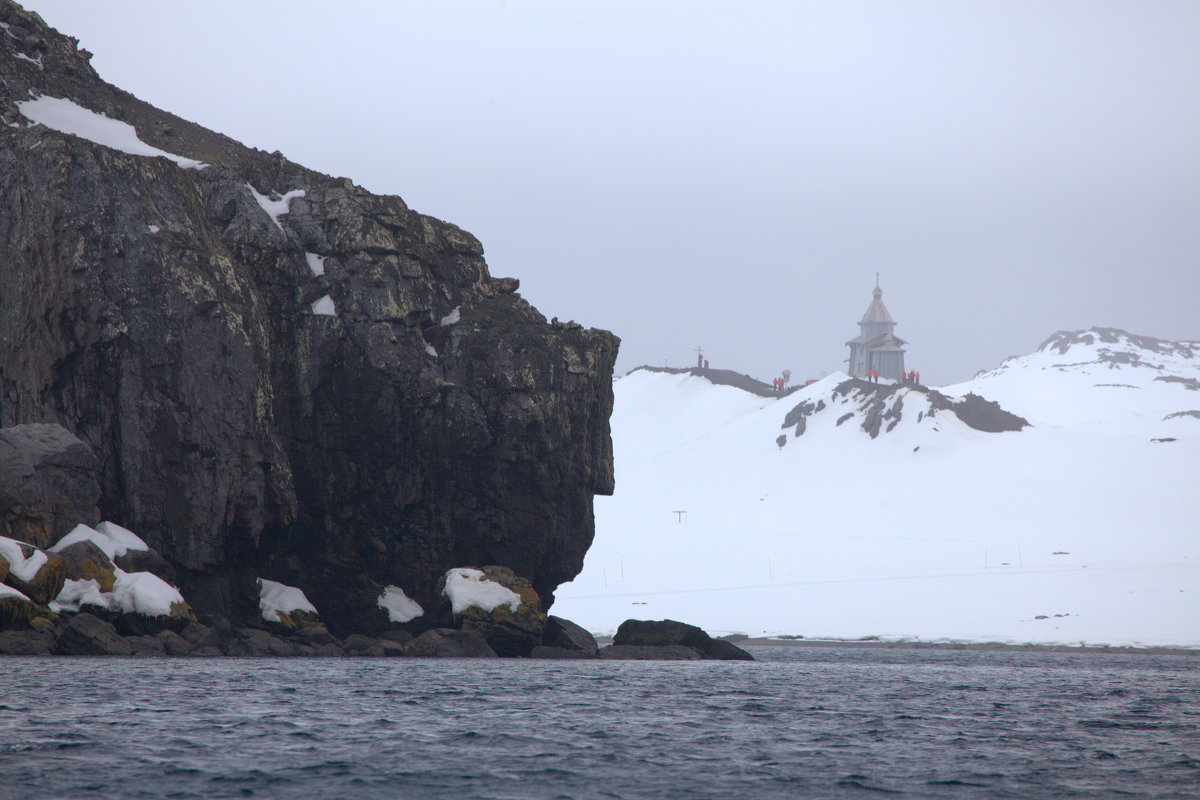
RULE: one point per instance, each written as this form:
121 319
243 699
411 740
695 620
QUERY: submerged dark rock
173 325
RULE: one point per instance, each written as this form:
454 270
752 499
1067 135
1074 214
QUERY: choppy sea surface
801 722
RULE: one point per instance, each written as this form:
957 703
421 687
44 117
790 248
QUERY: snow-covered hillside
883 519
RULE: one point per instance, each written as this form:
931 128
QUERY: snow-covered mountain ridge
889 515
1102 379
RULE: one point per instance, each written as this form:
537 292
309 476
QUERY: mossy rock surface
85 561
45 585
17 613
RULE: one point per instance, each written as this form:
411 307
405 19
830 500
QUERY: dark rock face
48 479
637 633
166 319
566 635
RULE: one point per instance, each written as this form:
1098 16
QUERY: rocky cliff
281 374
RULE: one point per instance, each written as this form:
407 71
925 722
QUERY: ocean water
801 722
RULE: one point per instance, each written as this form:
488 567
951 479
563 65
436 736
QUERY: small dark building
877 348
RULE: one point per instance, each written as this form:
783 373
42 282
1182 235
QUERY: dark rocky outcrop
881 406
566 635
649 634
167 320
48 478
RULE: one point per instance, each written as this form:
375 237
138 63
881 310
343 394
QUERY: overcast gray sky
732 174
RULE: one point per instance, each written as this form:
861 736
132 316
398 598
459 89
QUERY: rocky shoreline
87 634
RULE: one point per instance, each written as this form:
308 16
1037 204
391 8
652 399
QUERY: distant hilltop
723 377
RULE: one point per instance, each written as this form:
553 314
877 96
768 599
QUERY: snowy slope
1078 528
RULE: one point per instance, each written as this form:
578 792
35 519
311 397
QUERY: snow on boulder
114 540
399 606
124 548
76 594
499 604
34 572
24 560
147 594
470 588
283 604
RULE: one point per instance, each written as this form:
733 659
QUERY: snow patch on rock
324 307
110 537
468 588
25 569
276 600
398 605
275 207
65 116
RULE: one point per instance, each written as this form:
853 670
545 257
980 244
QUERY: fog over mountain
733 175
